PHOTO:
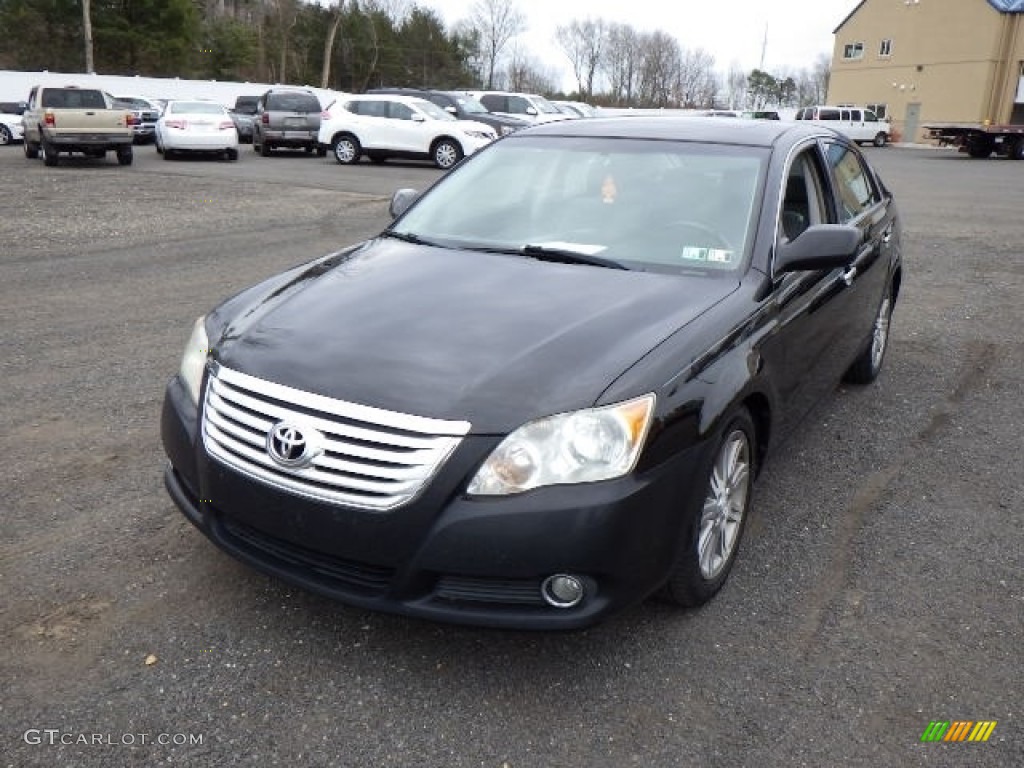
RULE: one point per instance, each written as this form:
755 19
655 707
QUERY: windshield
471 106
432 110
544 105
649 205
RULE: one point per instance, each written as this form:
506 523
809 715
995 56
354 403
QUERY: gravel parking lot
879 587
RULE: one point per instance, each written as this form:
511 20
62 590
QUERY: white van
861 125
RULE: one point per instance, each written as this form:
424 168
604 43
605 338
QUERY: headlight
480 135
193 362
579 447
507 129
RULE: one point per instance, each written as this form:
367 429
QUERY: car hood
492 339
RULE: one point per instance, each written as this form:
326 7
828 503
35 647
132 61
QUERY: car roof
717 130
400 97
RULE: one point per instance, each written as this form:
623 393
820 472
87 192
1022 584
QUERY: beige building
925 62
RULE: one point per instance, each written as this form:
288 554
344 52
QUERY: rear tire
979 151
31 150
1017 150
231 155
264 149
124 156
49 154
868 364
714 528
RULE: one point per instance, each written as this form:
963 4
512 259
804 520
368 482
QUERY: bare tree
821 73
525 75
332 33
659 71
583 42
496 22
87 34
736 87
698 83
621 62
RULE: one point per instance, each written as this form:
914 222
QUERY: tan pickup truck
73 119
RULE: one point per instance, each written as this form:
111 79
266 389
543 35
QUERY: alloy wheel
725 505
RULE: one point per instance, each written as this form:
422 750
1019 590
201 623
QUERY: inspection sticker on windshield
713 255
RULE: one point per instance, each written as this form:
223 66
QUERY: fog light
562 590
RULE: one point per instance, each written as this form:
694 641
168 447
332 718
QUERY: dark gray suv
287 117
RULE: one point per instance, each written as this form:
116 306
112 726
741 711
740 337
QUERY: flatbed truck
981 140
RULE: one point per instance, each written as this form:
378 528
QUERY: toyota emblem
291 445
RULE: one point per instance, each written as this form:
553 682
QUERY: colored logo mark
958 730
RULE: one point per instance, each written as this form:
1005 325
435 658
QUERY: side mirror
451 109
418 118
531 111
401 200
823 246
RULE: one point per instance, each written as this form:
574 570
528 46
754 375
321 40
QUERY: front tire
880 139
712 532
447 153
31 150
868 364
346 149
5 135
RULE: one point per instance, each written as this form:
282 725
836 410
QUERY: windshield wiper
569 256
405 237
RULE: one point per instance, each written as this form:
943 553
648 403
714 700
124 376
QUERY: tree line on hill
353 45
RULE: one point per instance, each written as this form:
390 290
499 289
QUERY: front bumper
472 144
443 556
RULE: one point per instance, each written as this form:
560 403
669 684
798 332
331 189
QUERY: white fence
15 86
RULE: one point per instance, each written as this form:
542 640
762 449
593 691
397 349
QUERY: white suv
383 126
526 106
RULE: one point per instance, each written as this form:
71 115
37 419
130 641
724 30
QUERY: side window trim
876 197
821 210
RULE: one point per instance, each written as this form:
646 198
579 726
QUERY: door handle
848 275
887 236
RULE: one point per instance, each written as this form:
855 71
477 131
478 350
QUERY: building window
853 51
881 110
885 49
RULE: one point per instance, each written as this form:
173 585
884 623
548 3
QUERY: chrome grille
366 457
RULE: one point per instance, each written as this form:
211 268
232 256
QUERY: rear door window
494 102
828 114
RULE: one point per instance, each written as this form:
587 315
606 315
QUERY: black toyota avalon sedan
543 393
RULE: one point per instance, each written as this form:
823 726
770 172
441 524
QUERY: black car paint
771 343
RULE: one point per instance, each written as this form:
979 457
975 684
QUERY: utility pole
764 46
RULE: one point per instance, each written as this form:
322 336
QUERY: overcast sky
731 30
